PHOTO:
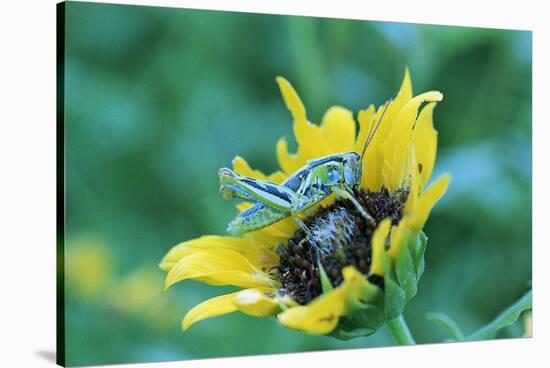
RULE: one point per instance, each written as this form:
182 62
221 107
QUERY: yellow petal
310 138
211 308
217 267
366 120
425 142
399 234
277 177
406 91
321 315
273 235
339 129
398 145
256 254
311 141
292 100
373 160
240 166
359 287
427 200
403 96
414 185
379 247
255 302
289 162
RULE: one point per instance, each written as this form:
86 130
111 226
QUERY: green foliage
448 324
395 297
489 331
365 314
363 322
325 281
505 319
402 274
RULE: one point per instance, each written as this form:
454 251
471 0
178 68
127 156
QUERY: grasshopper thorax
352 166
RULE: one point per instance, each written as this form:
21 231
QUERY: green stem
506 318
400 331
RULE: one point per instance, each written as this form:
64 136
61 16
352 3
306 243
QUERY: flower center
339 236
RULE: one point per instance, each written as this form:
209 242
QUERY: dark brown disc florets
339 236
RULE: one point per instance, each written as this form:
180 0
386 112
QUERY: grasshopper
337 173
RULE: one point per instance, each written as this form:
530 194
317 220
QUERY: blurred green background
158 99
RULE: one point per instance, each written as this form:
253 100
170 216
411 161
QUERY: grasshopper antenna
374 128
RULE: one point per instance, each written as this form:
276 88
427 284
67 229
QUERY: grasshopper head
352 168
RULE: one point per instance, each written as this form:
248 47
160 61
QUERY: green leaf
448 324
418 253
395 297
365 296
364 313
406 271
363 322
325 281
505 319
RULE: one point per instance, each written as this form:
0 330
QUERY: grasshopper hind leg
231 191
254 218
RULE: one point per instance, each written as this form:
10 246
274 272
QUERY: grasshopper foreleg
302 224
347 194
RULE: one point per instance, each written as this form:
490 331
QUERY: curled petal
258 256
425 142
319 317
217 267
379 246
398 145
213 307
256 302
427 200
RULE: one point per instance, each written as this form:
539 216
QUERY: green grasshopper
337 173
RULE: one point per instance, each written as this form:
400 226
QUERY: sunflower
346 276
